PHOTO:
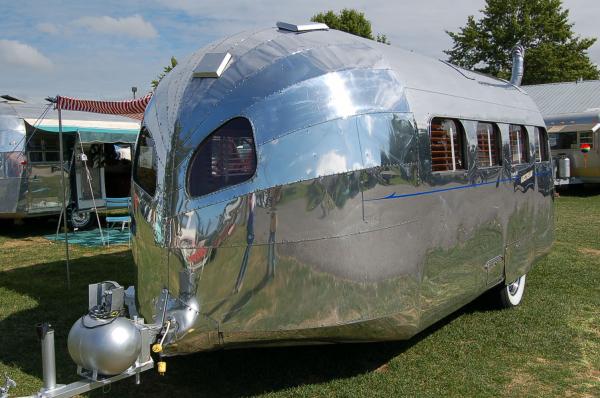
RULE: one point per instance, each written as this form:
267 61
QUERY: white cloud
133 26
15 53
47 27
418 26
331 163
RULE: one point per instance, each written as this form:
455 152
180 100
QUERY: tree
351 21
553 53
166 70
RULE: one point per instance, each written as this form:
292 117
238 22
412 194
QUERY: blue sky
99 49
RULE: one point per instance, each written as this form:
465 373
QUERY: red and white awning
130 108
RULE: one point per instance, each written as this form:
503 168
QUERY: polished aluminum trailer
302 185
30 168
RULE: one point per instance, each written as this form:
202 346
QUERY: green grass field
549 346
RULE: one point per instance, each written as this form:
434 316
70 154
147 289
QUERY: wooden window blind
488 145
519 145
447 152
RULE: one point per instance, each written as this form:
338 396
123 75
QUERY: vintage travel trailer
30 170
575 143
300 185
571 111
332 189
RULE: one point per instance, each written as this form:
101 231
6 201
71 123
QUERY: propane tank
564 166
104 341
108 346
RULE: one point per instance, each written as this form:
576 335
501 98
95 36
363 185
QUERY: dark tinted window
144 171
541 145
563 140
488 145
226 157
44 147
519 145
447 138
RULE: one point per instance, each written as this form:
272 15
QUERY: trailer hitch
105 345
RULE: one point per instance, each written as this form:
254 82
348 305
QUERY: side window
447 145
519 145
144 169
563 140
541 145
488 145
586 137
43 148
226 157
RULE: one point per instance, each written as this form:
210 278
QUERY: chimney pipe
518 53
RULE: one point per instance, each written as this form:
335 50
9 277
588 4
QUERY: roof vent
307 27
518 53
11 99
212 65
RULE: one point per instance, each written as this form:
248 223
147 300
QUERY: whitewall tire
511 294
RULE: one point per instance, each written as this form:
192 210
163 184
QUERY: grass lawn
549 346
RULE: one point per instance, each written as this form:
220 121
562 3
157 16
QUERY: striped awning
130 108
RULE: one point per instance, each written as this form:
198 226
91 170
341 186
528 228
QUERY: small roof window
307 27
212 65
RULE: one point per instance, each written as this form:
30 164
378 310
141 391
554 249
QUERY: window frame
200 147
44 149
539 133
591 138
461 140
498 133
527 158
135 162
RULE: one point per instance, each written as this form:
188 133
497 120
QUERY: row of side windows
448 142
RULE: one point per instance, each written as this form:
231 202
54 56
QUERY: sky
100 49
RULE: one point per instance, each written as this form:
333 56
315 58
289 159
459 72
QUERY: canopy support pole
89 179
64 191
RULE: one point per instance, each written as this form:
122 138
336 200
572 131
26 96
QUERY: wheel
512 294
79 219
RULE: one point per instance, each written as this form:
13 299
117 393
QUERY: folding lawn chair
118 203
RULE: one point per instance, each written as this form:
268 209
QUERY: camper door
44 171
89 176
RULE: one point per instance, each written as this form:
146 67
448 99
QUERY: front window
226 157
144 170
43 147
519 144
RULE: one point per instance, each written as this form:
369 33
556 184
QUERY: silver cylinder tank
106 346
564 167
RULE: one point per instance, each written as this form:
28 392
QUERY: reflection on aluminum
344 233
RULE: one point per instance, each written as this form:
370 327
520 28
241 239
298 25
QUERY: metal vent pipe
518 54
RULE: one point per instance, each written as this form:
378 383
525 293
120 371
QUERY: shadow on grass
27 227
579 190
45 284
238 372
